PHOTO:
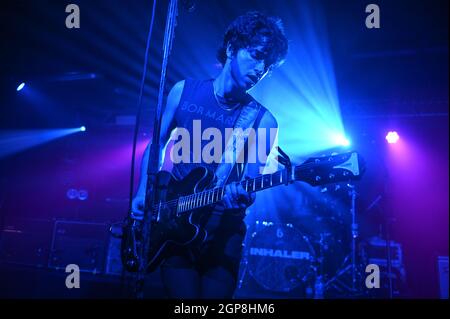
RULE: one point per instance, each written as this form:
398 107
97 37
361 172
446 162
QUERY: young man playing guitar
252 46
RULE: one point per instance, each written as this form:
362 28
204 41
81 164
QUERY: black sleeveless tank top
199 103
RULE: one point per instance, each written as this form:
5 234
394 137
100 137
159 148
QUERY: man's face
248 67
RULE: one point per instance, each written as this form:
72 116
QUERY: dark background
395 76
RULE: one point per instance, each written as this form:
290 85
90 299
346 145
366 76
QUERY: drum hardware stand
352 266
244 266
355 234
319 284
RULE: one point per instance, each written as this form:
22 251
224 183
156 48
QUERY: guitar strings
174 203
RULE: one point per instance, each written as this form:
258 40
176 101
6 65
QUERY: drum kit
313 257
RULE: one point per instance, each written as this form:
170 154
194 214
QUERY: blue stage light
82 194
83 128
14 141
342 140
20 87
72 193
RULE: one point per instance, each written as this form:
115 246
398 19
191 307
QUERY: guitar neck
215 195
315 171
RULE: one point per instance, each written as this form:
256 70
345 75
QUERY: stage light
83 128
82 194
341 140
20 87
392 137
72 193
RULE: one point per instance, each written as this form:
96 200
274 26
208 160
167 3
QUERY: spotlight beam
12 142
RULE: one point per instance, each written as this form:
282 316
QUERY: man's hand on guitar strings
236 197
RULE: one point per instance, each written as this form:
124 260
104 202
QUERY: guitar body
176 215
168 229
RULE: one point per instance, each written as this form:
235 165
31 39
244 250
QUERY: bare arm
268 122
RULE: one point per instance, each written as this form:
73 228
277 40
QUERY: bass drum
280 258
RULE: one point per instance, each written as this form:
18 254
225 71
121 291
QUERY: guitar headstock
330 169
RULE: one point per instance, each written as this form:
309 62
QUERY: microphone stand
154 153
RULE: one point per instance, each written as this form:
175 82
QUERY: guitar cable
139 107
136 126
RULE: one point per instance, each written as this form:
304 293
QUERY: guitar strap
250 116
234 152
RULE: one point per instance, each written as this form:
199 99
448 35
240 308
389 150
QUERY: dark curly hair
253 29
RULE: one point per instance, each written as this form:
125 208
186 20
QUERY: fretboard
214 195
315 171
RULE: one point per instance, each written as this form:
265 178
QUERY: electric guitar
176 214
